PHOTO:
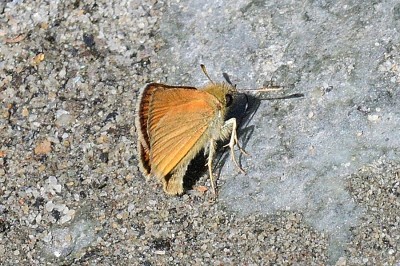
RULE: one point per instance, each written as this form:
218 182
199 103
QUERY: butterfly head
224 92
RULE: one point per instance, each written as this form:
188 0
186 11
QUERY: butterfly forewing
172 142
143 111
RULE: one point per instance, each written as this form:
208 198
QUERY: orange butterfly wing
142 116
177 119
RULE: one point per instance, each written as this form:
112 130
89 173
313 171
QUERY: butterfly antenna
203 68
226 77
267 89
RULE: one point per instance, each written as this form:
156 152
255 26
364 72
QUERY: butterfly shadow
243 108
197 167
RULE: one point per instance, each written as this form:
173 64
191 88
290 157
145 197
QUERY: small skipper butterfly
175 122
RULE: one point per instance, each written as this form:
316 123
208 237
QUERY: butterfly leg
211 152
230 127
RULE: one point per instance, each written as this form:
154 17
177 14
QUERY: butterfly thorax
223 94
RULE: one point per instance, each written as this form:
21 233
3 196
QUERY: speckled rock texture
323 177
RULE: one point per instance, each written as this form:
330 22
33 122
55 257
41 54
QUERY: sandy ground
70 189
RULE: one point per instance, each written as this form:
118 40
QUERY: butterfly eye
228 100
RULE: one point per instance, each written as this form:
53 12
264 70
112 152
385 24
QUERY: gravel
70 189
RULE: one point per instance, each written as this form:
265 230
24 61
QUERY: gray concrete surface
322 184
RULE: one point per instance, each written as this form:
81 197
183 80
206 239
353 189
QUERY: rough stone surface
322 184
